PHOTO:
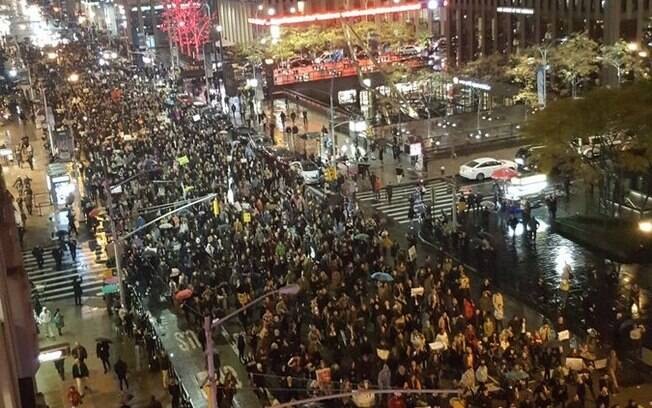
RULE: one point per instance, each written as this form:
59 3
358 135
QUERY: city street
199 268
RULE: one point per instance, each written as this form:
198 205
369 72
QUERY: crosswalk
53 284
398 210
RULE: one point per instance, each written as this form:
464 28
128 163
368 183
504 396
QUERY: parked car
528 157
297 62
482 168
409 51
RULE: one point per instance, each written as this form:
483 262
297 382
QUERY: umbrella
96 212
382 277
183 294
505 173
361 237
165 225
175 272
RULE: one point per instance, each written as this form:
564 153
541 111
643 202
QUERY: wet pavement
183 345
531 271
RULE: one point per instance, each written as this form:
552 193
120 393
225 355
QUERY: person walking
72 247
388 191
59 365
79 352
37 252
103 352
29 200
45 320
165 369
120 368
377 186
77 290
58 321
613 365
74 397
57 254
80 373
242 343
175 393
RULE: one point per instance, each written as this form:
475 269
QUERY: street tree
522 71
614 125
576 60
187 25
494 67
623 58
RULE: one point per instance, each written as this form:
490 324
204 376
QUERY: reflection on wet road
532 271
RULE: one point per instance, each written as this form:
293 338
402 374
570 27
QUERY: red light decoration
187 25
311 18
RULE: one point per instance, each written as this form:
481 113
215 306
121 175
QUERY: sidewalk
85 324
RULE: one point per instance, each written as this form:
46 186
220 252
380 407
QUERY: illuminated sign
515 10
472 84
335 15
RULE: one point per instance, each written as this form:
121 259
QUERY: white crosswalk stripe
52 284
399 208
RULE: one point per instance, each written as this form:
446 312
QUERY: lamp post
210 324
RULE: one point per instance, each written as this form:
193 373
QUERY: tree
494 67
618 118
523 73
187 25
575 59
621 57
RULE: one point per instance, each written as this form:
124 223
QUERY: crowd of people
372 312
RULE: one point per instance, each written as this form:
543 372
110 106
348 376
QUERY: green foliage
576 59
522 71
624 60
494 67
621 117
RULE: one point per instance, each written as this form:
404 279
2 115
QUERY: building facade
18 338
480 27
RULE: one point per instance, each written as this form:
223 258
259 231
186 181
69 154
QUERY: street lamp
645 226
209 325
293 10
271 11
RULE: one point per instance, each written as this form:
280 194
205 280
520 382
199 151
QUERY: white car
482 168
308 170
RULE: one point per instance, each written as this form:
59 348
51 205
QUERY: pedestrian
37 252
103 351
388 190
57 255
305 119
613 365
377 186
77 290
165 369
175 393
442 171
29 200
79 352
58 321
399 174
80 373
74 397
602 401
120 368
242 343
59 365
72 247
45 320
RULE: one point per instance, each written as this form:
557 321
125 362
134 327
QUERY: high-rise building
481 27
